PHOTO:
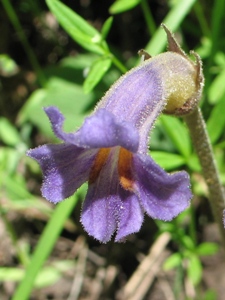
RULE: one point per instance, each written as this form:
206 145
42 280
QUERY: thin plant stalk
203 148
216 24
29 51
198 8
148 17
118 64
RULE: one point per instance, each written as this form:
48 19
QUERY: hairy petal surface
65 168
97 215
131 215
102 200
108 208
100 130
162 195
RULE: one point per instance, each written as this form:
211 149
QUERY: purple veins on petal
108 208
65 168
98 212
131 215
162 195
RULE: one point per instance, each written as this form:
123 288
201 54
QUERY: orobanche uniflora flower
110 149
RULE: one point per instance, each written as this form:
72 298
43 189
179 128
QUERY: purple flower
109 151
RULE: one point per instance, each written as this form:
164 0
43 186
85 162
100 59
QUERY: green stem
203 148
29 51
118 64
198 8
192 226
216 25
148 17
44 248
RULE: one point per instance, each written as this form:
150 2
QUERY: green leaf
210 295
173 261
178 133
216 121
9 158
193 163
11 274
8 66
67 96
120 6
47 276
194 269
207 248
188 243
50 275
106 27
16 188
172 20
97 71
83 33
168 161
217 88
8 133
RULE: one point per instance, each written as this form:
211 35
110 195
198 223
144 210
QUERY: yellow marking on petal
124 169
99 162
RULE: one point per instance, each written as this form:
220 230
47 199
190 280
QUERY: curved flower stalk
110 149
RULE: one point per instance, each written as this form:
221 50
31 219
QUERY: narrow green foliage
8 133
106 28
120 6
205 249
69 97
44 247
203 22
172 20
148 17
11 13
47 276
217 25
217 88
169 161
194 269
172 261
8 66
79 29
97 71
178 134
216 121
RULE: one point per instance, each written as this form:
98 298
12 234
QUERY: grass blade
173 19
83 33
178 134
44 247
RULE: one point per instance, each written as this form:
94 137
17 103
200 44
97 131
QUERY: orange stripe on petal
124 169
99 162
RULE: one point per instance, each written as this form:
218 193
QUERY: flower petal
162 195
131 215
65 169
99 213
100 130
108 207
